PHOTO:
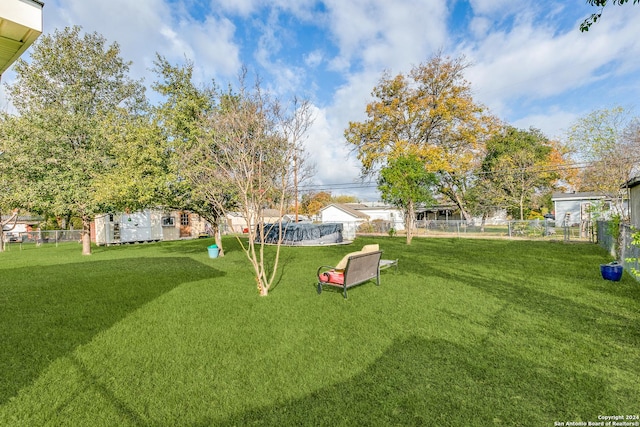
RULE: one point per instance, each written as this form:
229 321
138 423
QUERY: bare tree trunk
263 290
217 235
218 239
86 235
14 218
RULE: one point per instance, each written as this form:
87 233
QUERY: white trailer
141 226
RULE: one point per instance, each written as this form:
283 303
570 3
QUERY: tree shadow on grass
436 382
46 312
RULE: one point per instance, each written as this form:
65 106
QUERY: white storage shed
141 226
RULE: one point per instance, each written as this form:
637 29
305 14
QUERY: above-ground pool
302 233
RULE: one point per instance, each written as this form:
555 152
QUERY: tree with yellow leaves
429 113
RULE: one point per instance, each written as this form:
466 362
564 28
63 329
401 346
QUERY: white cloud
245 8
134 25
240 7
480 26
493 7
335 164
214 49
528 64
314 58
386 34
553 124
145 27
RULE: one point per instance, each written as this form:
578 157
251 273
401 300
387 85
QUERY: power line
373 185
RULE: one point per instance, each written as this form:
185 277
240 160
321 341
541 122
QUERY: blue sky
531 64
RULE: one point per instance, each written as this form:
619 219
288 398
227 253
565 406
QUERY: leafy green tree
180 116
8 216
404 183
586 24
311 203
429 113
10 189
518 165
139 172
64 97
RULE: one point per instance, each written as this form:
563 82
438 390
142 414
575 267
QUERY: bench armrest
324 268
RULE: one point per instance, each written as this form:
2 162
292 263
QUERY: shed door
185 224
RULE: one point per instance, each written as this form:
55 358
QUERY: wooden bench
360 269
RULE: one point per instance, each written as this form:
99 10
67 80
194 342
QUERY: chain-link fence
623 249
629 254
43 237
533 229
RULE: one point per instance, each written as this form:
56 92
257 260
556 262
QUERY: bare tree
10 224
607 142
246 160
295 128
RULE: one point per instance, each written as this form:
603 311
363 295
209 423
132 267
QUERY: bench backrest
362 267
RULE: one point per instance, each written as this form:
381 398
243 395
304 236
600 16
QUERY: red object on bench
336 277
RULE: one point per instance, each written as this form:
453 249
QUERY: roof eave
20 26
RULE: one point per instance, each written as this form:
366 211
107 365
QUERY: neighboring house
353 215
178 225
633 193
292 218
573 209
438 213
20 26
343 213
377 211
236 222
148 225
23 224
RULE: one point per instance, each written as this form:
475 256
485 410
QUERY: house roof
585 195
436 208
347 209
375 206
20 26
24 219
633 182
271 213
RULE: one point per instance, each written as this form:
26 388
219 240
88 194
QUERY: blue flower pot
611 271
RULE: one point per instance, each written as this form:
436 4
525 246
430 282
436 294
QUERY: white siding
333 214
634 205
395 216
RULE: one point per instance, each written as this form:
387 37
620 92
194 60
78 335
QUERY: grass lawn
466 333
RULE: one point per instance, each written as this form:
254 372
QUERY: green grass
467 332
